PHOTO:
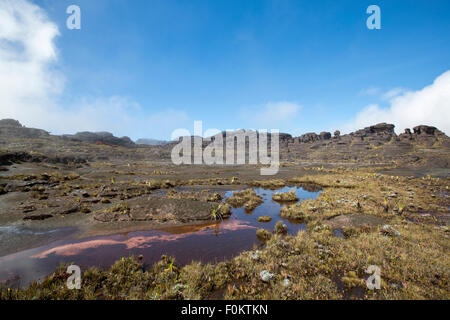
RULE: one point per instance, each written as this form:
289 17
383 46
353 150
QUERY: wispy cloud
272 115
31 87
429 106
390 94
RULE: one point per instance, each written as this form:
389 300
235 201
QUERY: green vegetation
247 198
395 223
221 211
263 235
317 265
264 219
285 196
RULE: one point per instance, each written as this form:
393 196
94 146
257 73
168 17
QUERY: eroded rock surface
160 210
354 220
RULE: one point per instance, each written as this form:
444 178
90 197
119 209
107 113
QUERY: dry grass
285 196
314 264
246 198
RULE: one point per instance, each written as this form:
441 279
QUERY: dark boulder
424 130
309 137
38 216
325 135
378 129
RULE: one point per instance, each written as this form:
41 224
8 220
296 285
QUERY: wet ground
210 242
433 172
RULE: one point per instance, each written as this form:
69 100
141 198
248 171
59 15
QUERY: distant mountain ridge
13 128
100 138
152 142
378 144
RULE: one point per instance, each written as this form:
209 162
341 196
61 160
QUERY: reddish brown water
206 243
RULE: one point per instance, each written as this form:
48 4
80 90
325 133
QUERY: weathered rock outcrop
100 138
10 128
425 135
160 210
375 144
10 123
8 158
424 130
312 137
378 129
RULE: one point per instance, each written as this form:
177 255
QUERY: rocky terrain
422 147
425 145
386 195
100 138
16 140
10 128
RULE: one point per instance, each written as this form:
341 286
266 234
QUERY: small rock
286 283
179 287
264 219
266 276
27 209
396 286
255 255
67 210
389 230
39 216
392 195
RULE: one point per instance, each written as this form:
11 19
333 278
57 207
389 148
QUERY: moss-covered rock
263 235
264 219
285 196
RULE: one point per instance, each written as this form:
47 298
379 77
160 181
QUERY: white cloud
428 106
393 93
27 51
272 115
31 86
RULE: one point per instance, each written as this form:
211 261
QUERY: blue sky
306 65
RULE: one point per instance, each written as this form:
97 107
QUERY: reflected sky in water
211 242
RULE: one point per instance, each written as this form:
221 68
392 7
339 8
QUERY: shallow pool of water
212 242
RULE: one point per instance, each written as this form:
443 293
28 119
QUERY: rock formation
10 128
100 138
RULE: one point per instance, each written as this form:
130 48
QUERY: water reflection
210 242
